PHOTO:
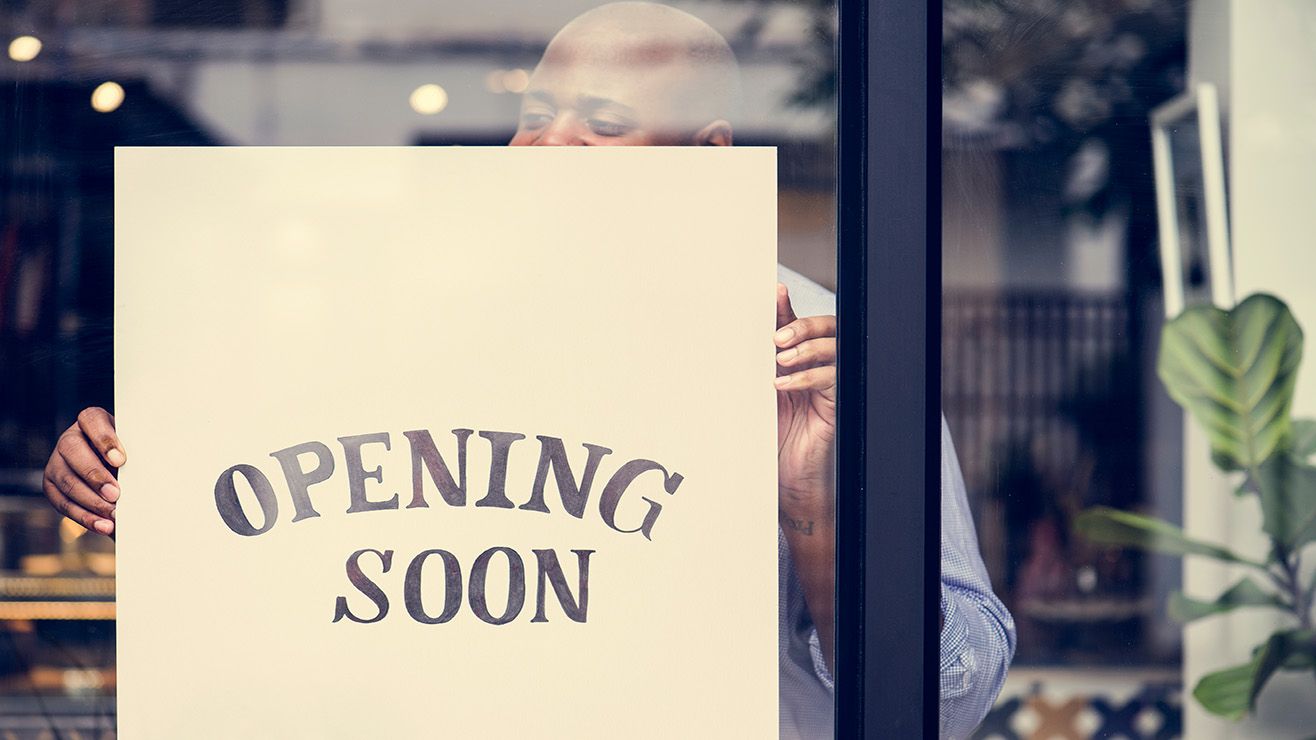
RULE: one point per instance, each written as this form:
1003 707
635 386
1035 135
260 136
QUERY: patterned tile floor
1077 705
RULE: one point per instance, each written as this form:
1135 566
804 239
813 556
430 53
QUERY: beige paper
268 298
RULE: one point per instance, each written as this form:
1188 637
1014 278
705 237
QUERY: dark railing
1018 367
1042 392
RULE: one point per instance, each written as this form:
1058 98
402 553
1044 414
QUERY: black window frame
889 369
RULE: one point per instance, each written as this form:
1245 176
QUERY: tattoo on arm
799 525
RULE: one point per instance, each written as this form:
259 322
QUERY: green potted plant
1234 371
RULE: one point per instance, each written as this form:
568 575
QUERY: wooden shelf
1087 611
56 610
26 597
81 588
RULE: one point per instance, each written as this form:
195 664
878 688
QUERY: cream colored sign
446 442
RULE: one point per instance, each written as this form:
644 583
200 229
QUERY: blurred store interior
80 78
1051 315
1052 285
1054 305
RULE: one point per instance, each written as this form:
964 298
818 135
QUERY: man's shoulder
807 297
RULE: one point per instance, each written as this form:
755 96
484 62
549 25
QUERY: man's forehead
617 65
606 47
664 64
567 78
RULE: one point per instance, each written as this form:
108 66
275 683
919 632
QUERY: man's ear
717 133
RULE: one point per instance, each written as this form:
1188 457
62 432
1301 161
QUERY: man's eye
608 128
536 120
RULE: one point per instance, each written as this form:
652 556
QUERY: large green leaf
1232 692
1244 593
1279 650
1225 693
1234 371
1286 488
1109 526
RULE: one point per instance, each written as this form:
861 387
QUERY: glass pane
82 78
1107 166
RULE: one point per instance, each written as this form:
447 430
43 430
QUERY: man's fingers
75 452
821 378
801 330
785 314
97 426
70 483
811 352
72 510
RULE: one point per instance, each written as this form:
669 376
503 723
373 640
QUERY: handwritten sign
446 442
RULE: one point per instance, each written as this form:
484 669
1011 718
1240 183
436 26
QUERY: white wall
1262 56
996 238
972 219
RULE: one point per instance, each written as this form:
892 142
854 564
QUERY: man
640 74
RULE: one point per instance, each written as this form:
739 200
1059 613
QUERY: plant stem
1301 596
1290 565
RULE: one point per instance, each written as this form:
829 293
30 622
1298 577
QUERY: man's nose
565 130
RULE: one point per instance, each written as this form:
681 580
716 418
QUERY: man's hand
806 405
78 480
806 445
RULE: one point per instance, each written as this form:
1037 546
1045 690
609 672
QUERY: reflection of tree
816 86
815 61
1067 73
1063 88
1076 75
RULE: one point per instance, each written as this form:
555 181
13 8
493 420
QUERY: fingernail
110 492
786 355
104 526
116 457
784 335
782 381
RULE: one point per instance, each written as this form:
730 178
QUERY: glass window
83 78
1106 167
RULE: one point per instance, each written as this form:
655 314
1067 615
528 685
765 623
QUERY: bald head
648 38
632 73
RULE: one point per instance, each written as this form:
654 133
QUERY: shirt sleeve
978 634
819 663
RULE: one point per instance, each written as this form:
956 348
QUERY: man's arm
806 453
810 530
977 632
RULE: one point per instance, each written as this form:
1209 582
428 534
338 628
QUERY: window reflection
82 78
1055 302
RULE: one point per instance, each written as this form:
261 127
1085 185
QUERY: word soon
426 461
575 606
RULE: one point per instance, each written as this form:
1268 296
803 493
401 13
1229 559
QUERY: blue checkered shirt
977 636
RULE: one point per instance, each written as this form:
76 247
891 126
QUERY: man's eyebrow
542 95
593 102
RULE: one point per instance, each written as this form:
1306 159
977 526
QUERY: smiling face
631 74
